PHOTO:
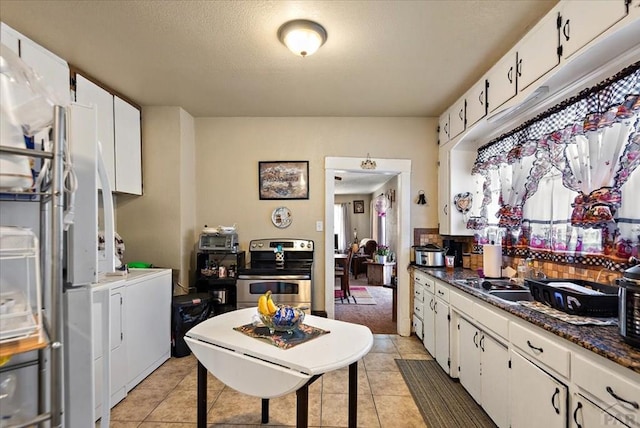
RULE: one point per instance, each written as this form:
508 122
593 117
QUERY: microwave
218 242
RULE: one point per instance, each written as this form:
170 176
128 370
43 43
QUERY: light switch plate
318 226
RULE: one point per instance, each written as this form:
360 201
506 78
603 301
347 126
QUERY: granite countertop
603 340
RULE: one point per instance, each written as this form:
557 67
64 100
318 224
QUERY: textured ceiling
223 58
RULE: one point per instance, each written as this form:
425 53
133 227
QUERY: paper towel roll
492 261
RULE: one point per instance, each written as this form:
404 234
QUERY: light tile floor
167 398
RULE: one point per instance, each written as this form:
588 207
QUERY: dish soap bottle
522 272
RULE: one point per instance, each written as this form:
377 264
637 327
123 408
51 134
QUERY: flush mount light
302 37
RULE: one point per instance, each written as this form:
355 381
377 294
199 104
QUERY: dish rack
20 299
576 297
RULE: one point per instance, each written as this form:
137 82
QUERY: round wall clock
281 217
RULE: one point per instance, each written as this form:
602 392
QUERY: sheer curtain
342 225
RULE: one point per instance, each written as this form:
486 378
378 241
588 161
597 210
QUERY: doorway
402 169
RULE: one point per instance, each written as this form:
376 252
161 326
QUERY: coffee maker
454 249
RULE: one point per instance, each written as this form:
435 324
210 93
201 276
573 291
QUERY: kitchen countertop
603 340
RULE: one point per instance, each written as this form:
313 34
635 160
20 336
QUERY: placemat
571 319
302 334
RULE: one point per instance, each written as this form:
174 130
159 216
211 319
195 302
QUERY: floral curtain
556 185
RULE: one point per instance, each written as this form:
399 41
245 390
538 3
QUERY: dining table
259 368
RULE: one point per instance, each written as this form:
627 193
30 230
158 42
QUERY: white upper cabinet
502 81
53 70
457 118
476 102
583 21
538 51
128 156
443 128
89 93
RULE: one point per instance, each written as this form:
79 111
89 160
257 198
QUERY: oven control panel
285 244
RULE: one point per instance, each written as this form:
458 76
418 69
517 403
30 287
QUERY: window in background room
342 225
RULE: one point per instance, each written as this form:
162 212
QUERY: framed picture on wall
358 207
283 179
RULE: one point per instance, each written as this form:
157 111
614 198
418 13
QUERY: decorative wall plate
463 202
281 217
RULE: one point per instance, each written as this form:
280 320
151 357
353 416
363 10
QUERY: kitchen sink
511 295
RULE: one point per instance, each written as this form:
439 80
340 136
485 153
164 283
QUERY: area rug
443 402
359 296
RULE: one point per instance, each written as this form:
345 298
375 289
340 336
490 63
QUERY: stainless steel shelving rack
51 258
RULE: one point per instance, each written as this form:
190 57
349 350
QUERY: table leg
202 396
265 411
353 395
302 407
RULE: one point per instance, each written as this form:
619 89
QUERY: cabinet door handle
575 414
475 339
446 206
482 343
566 30
535 348
553 400
460 115
633 404
435 307
431 305
481 98
510 75
519 68
446 128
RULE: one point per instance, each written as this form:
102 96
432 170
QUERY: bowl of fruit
278 318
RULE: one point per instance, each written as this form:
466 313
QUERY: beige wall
228 151
158 227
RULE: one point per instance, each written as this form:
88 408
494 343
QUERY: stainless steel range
284 266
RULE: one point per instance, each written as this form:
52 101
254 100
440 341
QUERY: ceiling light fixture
302 37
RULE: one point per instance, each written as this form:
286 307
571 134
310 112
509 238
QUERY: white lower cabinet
483 365
586 414
441 311
537 399
429 323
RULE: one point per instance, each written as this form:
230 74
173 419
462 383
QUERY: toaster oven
227 242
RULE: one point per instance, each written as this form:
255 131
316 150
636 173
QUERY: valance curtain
575 159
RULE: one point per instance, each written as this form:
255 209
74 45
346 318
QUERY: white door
583 21
476 102
128 155
442 333
538 52
502 81
585 414
457 118
495 370
537 399
469 359
429 324
444 207
443 129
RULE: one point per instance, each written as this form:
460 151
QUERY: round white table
238 360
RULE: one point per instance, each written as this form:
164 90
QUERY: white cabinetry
441 321
443 128
457 118
583 21
482 361
476 102
586 414
128 156
53 69
148 315
418 303
88 93
502 81
538 51
454 176
119 135
537 399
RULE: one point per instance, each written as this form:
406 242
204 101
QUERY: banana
270 305
262 305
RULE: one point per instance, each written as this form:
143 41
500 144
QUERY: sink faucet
533 272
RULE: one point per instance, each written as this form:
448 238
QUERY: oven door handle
272 277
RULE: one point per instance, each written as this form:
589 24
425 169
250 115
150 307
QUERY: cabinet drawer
490 318
417 326
620 395
461 303
418 293
442 291
422 279
418 309
541 348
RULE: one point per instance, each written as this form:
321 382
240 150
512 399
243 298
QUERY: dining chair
342 271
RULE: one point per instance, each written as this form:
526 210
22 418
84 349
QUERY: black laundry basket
187 311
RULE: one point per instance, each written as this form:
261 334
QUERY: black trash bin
187 311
